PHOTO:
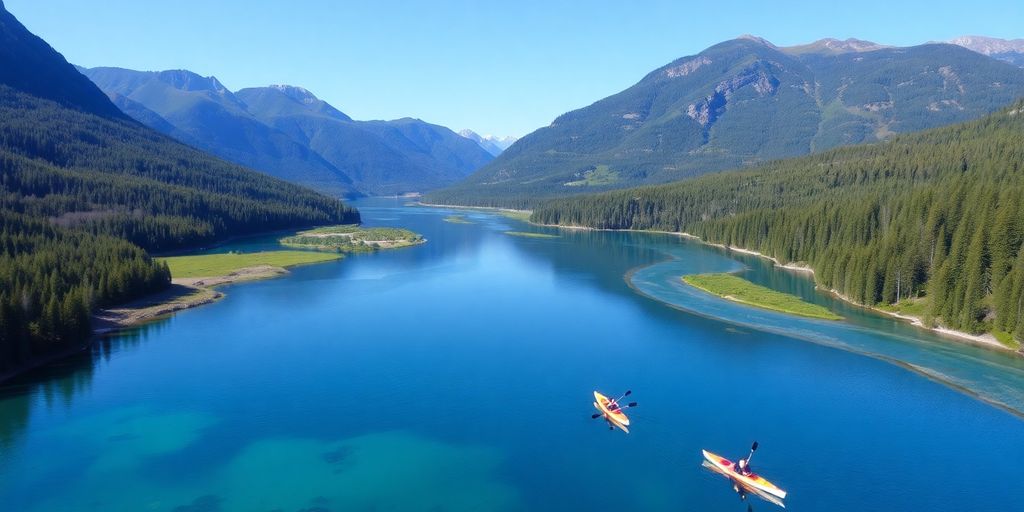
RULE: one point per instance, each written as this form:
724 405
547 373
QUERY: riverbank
184 293
982 340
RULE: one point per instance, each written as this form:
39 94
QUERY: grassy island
522 215
740 290
216 265
457 219
352 238
527 234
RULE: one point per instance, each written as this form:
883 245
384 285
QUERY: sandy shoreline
184 293
983 340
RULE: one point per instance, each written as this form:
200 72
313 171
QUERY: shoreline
184 293
986 340
482 208
627 278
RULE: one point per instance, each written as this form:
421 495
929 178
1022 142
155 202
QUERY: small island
457 219
351 238
740 290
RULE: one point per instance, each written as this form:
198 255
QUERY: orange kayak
617 417
752 481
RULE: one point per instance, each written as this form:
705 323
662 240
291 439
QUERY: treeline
53 278
936 215
82 198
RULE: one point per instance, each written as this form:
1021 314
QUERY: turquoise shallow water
457 375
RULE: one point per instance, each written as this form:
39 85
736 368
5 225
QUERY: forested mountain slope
84 191
382 157
288 132
201 112
740 103
935 216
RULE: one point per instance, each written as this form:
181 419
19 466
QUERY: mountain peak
188 81
491 143
833 46
1007 50
756 39
280 99
989 45
32 66
300 94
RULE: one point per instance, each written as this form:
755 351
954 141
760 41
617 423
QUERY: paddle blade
753 447
629 392
595 416
631 404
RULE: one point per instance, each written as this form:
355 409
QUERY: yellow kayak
617 417
752 481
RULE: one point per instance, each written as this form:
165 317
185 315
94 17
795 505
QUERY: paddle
753 448
598 415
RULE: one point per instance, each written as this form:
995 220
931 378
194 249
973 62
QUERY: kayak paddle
753 448
598 415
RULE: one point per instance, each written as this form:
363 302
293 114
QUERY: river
458 375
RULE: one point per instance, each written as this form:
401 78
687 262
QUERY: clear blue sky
496 67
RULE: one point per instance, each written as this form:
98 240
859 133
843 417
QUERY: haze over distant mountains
1009 50
738 103
491 143
288 132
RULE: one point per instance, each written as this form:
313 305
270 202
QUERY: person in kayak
743 467
612 405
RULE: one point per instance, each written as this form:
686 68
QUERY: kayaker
743 467
613 405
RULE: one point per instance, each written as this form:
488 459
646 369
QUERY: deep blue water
457 375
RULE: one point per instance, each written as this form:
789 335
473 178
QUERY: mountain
931 220
1009 50
288 132
29 64
739 103
203 113
492 144
86 191
830 46
382 157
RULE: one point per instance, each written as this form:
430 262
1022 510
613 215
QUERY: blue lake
458 375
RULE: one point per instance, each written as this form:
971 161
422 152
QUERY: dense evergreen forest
936 216
83 197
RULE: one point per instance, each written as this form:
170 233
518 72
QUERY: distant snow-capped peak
297 93
493 144
989 45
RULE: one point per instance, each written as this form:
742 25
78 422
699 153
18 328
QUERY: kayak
756 492
752 481
616 417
